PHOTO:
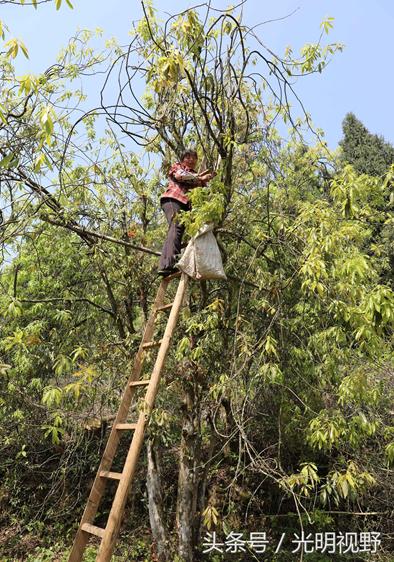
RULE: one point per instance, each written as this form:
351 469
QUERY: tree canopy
274 411
367 153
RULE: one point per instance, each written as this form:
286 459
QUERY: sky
358 79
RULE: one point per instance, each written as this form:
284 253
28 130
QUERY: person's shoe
166 272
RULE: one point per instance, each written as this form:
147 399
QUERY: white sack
202 259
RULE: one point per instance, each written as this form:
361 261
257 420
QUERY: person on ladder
182 176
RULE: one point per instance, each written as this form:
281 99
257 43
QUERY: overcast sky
358 80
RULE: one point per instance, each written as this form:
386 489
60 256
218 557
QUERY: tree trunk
189 471
155 500
202 484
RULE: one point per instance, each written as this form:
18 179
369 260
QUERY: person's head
189 158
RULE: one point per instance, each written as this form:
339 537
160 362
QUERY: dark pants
172 245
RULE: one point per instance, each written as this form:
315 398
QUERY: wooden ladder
109 534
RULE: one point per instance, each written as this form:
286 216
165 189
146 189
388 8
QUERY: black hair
188 152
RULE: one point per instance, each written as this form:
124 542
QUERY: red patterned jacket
182 178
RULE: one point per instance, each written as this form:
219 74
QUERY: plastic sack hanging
202 259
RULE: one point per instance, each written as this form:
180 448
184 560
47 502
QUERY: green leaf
327 24
14 310
52 396
2 114
79 352
344 487
270 346
39 161
4 163
13 46
73 388
54 432
62 364
23 49
4 368
390 453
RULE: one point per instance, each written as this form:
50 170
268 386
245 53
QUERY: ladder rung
165 307
149 344
93 530
126 425
140 382
111 475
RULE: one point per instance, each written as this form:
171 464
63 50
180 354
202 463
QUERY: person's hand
207 175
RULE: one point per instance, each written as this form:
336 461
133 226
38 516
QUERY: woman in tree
182 177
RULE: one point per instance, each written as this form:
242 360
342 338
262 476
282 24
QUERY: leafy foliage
369 154
279 390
